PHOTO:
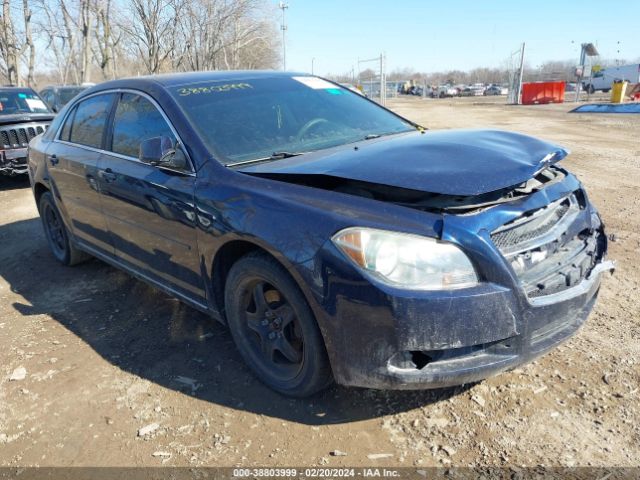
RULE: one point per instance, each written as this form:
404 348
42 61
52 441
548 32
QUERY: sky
430 36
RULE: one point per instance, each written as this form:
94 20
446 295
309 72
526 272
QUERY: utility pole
283 6
583 57
383 82
313 59
519 91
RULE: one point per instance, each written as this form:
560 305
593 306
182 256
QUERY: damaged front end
537 244
550 251
539 249
14 140
421 200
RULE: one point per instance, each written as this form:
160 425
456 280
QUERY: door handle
53 160
108 175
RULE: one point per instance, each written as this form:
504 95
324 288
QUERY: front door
149 210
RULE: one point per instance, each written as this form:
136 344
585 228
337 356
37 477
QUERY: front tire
274 329
57 235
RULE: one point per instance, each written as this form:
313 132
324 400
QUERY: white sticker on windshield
315 83
35 104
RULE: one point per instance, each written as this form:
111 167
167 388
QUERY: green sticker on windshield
334 91
22 95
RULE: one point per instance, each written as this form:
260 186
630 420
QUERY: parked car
603 79
23 115
444 91
496 90
478 89
58 96
466 92
336 239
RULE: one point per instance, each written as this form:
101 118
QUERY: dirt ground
106 355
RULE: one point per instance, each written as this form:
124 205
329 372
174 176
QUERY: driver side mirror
161 152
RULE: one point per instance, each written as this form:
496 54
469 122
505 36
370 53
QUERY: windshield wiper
371 136
270 158
279 155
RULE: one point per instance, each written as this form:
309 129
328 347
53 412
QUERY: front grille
534 228
553 248
19 136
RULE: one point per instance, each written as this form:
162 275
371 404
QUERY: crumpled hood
450 162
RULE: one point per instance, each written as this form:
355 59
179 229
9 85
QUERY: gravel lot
105 355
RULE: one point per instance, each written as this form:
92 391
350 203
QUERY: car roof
59 87
174 79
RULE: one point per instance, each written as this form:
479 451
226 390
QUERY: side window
66 129
89 121
136 119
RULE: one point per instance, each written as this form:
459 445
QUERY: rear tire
57 235
274 329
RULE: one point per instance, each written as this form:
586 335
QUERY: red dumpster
542 92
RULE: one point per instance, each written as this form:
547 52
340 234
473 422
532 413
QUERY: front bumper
13 161
421 343
470 364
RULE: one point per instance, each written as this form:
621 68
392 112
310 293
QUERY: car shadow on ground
147 333
13 183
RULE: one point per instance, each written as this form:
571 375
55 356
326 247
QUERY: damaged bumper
536 292
13 162
544 328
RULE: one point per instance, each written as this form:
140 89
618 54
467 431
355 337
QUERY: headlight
405 260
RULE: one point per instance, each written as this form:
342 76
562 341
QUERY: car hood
25 118
450 162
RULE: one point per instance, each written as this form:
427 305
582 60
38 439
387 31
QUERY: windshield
255 118
66 94
21 101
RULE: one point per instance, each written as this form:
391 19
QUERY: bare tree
85 38
151 31
107 37
226 34
9 47
201 32
28 42
58 28
85 23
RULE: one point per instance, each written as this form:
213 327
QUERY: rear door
72 162
150 210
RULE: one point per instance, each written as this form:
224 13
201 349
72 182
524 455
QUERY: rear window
88 121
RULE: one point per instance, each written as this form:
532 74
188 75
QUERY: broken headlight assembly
405 260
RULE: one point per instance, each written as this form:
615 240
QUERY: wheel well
38 190
226 256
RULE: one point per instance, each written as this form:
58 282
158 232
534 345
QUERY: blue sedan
337 240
